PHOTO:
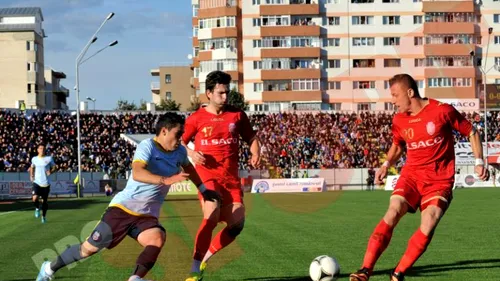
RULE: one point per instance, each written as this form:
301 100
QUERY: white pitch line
10 212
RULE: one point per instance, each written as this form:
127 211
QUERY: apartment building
55 94
339 54
21 58
174 84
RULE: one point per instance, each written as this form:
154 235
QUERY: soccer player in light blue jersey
41 168
158 163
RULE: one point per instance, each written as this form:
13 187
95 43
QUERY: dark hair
216 77
168 120
41 144
406 80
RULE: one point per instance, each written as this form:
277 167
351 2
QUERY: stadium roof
20 12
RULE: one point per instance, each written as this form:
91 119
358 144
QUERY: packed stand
290 141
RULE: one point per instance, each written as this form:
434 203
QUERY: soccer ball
324 268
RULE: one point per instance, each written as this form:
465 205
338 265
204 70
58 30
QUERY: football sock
146 260
203 238
225 237
416 247
69 256
45 207
378 242
37 203
195 266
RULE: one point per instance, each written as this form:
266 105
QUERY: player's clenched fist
481 172
380 175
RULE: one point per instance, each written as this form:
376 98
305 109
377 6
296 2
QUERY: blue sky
150 33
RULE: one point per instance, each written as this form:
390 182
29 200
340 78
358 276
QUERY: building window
168 78
391 20
418 41
258 87
257 64
35 66
497 81
364 106
362 20
363 84
496 18
392 62
336 106
361 1
334 85
29 88
362 63
168 96
256 2
257 43
447 82
420 84
497 40
35 46
332 21
333 63
390 1
305 84
386 84
195 10
391 41
389 106
363 41
331 42
28 46
417 19
29 66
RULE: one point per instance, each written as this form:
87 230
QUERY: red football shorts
229 190
419 194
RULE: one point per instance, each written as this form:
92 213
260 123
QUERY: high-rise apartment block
340 54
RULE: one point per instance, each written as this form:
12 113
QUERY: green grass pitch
283 233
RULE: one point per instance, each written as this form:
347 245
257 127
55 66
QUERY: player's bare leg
234 216
211 216
152 240
36 201
418 243
381 236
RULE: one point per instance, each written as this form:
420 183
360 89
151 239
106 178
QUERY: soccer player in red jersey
216 129
425 127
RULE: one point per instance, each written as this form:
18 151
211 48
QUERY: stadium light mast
77 88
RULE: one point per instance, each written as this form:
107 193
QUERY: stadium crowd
290 140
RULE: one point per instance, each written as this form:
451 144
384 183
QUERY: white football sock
48 270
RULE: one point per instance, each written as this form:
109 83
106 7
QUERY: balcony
225 11
449 27
292 9
448 49
270 96
457 72
224 32
287 74
299 52
61 90
448 6
155 87
291 30
155 72
451 93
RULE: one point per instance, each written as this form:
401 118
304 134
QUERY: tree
124 105
195 104
142 105
237 100
168 105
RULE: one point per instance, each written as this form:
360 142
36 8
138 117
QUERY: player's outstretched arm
141 174
477 148
197 156
392 156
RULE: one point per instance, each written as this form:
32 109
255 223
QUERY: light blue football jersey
140 198
42 165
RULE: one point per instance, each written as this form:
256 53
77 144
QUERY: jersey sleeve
397 139
52 163
457 120
247 133
184 157
189 129
143 151
33 162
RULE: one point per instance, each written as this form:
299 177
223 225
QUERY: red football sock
221 240
379 240
416 247
203 238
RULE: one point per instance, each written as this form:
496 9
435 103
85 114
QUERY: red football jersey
217 137
429 140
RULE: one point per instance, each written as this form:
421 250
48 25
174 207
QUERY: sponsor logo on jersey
232 128
431 128
217 119
414 120
219 141
424 144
